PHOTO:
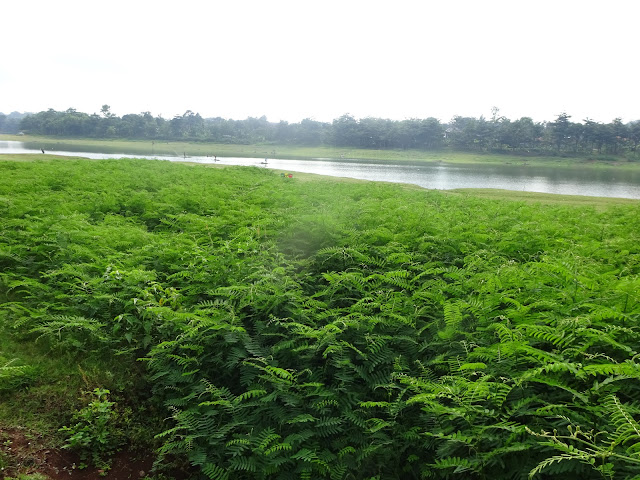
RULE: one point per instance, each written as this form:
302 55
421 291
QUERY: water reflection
568 181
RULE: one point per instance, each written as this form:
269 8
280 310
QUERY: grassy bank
297 152
489 193
257 327
545 198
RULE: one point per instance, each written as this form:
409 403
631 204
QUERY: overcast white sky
295 59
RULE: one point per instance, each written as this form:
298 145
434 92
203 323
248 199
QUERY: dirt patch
60 465
22 452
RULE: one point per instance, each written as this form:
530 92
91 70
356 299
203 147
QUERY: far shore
145 147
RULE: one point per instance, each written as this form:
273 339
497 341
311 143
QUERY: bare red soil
24 453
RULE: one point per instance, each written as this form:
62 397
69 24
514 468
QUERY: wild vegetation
496 134
266 328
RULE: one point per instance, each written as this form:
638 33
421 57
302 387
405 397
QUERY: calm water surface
568 181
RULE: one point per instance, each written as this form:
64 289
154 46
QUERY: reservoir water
598 182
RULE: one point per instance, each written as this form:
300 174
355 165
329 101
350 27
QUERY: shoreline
481 193
291 152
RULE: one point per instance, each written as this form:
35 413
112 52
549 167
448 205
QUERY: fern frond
550 461
213 472
459 464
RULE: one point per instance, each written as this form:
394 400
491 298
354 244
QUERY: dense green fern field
339 331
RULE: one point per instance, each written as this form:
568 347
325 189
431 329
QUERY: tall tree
634 134
561 130
106 111
344 131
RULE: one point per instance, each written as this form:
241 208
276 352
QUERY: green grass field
247 326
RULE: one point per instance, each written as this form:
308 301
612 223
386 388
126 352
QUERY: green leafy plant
93 435
613 452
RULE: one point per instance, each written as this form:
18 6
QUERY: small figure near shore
42 150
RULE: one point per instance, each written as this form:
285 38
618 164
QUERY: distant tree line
481 134
11 123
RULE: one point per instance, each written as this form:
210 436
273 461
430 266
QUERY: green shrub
94 436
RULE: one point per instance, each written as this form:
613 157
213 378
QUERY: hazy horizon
290 60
